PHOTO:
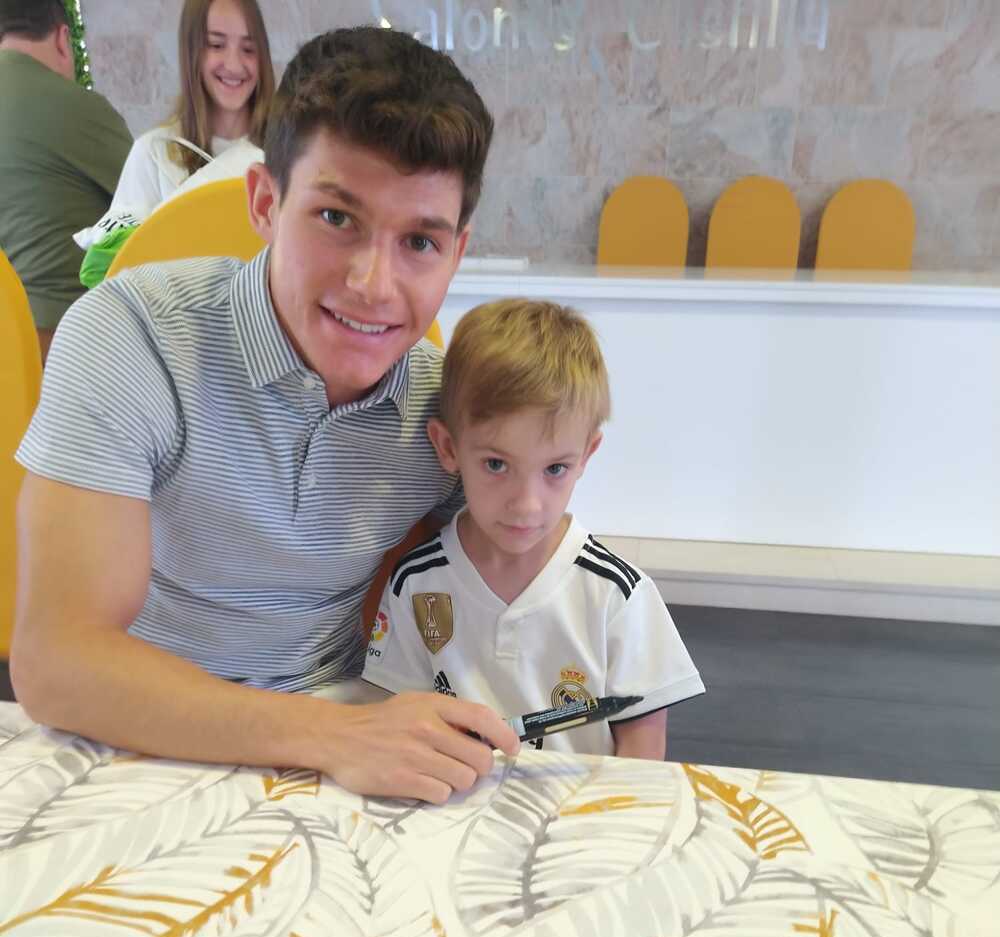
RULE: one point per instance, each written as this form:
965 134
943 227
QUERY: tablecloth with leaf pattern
97 841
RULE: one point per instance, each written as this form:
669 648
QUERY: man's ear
64 49
263 199
444 445
592 447
460 244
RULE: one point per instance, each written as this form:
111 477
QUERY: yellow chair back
755 223
212 220
868 225
20 383
644 223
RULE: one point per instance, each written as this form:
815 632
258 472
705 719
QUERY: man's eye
496 466
422 244
337 219
556 470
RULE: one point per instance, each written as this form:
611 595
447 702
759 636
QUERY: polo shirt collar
267 351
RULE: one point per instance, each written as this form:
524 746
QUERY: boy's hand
414 745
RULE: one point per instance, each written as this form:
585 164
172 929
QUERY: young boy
514 604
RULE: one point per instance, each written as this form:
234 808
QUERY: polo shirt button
309 481
309 382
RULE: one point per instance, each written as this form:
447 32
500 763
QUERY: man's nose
371 275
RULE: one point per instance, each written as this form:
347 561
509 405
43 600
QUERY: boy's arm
646 657
645 737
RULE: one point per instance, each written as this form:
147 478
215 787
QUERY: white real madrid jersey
589 624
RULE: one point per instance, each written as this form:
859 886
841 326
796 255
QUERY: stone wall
588 92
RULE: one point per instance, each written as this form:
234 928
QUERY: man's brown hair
516 354
31 19
384 90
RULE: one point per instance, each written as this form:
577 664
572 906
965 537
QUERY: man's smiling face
362 252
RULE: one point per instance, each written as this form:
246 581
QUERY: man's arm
84 562
645 737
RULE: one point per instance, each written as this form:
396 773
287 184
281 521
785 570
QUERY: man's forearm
122 691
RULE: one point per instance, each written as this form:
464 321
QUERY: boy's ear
592 447
444 445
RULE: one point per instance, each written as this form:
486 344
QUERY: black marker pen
546 721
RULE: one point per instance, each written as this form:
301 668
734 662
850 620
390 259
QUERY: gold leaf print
292 781
438 928
93 901
825 928
609 805
767 831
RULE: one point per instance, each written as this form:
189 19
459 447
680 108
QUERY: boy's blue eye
495 466
556 470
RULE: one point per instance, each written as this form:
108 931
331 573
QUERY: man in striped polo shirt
224 451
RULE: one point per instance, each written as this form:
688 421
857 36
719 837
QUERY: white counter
820 413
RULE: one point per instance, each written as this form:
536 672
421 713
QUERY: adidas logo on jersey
442 684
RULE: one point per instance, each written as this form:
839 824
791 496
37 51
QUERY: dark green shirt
61 151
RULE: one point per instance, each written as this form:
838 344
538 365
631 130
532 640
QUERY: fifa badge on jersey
435 619
380 631
570 688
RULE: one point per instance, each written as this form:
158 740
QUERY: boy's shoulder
610 572
424 556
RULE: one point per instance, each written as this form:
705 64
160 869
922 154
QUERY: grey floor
909 701
860 697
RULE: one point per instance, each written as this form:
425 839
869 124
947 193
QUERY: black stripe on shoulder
601 551
427 548
397 585
606 573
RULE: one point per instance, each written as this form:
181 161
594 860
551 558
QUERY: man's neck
42 51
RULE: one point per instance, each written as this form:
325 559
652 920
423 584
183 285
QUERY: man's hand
415 745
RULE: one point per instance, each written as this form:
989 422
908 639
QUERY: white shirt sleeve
646 656
397 659
149 174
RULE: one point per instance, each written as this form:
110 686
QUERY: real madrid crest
570 688
435 619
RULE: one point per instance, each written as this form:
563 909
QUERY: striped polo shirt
270 512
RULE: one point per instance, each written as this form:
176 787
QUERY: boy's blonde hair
514 354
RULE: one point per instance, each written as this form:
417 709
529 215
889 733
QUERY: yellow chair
868 225
755 223
644 223
212 220
20 383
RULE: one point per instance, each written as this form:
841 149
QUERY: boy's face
361 257
518 473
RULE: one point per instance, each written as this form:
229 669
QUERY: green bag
99 256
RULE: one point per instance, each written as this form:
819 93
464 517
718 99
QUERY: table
98 841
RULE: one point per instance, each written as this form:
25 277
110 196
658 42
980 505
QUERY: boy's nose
525 501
